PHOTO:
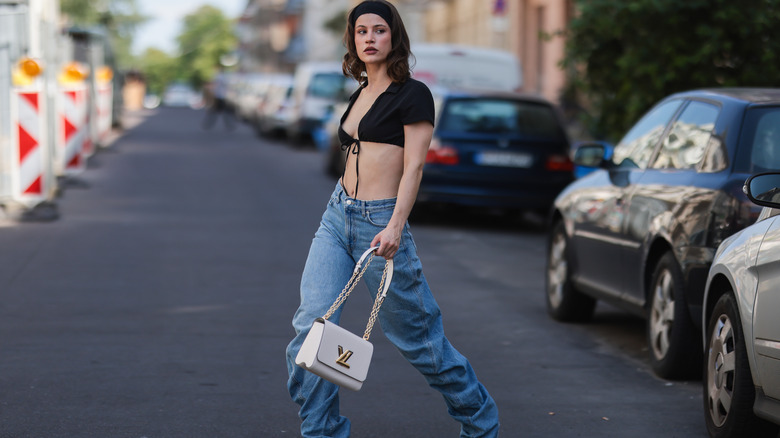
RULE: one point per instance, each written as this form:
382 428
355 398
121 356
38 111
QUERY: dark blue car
641 231
496 150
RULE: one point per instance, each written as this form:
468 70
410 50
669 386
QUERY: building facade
278 34
531 29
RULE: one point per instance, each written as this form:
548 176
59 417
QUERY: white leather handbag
334 353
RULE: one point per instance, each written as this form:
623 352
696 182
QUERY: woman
387 129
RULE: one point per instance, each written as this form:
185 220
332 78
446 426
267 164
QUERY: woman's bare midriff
381 168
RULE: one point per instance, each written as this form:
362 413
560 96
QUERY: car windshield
493 116
327 85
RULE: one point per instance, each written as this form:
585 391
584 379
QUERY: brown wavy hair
397 59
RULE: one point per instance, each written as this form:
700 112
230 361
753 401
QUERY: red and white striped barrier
30 185
74 142
104 106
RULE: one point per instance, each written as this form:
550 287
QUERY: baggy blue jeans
410 318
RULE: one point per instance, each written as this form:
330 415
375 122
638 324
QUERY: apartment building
277 34
531 29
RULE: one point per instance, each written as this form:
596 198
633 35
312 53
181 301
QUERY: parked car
456 66
641 231
741 327
489 149
274 111
151 101
590 162
441 67
180 95
334 156
496 150
251 89
317 87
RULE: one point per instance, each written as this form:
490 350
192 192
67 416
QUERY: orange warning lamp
105 74
31 67
74 72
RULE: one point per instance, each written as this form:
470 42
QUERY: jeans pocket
380 217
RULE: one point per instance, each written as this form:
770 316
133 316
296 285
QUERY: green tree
120 19
626 55
206 36
159 68
336 23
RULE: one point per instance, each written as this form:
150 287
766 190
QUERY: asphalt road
158 305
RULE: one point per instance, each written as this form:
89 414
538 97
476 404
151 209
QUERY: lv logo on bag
343 357
317 351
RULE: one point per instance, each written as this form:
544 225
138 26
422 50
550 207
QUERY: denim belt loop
339 192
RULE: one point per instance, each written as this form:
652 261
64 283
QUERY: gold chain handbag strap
357 274
380 298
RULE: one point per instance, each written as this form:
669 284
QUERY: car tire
729 392
564 302
334 164
673 341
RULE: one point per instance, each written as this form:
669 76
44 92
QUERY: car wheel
334 165
564 302
728 385
675 352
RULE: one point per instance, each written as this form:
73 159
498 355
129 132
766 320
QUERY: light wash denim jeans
409 317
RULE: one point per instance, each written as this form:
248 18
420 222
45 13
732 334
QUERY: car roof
744 94
476 92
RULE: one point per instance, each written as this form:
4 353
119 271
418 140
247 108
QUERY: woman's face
372 38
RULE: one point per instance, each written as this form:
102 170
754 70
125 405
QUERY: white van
317 86
458 66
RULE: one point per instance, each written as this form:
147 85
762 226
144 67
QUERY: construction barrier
74 144
30 183
56 102
104 103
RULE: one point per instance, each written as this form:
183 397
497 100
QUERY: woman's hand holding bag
334 353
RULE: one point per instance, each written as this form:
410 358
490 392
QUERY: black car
641 231
492 149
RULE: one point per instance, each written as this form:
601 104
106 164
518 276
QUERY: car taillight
441 154
561 163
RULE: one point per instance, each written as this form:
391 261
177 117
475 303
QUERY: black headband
369 7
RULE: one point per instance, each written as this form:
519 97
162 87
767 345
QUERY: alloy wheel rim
721 363
662 314
557 270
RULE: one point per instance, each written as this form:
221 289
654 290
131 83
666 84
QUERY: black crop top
401 104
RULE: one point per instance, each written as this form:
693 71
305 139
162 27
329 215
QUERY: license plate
504 159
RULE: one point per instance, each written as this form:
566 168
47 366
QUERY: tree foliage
120 19
626 55
159 68
206 36
337 22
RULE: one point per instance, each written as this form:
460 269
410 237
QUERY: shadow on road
623 332
476 218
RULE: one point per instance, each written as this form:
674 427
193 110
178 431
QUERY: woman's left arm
418 139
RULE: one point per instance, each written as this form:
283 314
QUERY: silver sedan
742 326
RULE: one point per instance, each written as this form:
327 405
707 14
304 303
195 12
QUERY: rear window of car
759 149
765 150
500 116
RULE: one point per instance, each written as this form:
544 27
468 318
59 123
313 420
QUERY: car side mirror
591 154
764 189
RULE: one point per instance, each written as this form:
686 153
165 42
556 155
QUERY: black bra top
346 139
403 103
